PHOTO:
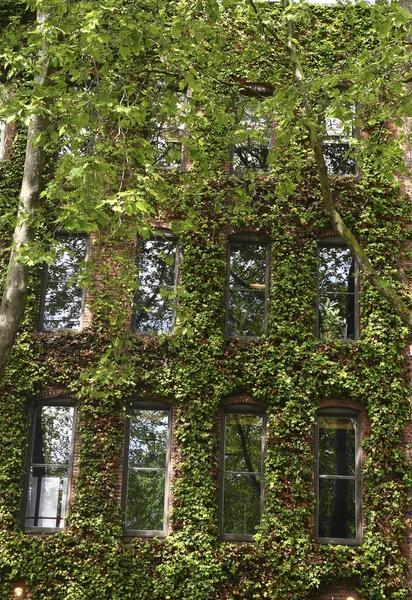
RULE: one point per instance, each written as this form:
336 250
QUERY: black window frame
240 409
239 172
247 239
338 242
45 277
344 414
158 233
64 402
148 406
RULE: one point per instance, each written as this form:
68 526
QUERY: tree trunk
13 301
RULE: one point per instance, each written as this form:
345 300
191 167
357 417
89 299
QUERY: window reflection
252 148
63 298
50 465
157 263
336 293
247 288
147 469
337 477
336 147
242 474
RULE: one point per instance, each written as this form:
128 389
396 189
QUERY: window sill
131 535
338 541
43 530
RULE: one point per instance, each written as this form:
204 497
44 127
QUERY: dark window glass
338 477
147 470
252 149
168 147
247 288
157 263
62 297
336 148
50 466
242 474
337 296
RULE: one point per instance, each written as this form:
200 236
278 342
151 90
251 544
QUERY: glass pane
63 298
336 159
337 316
337 446
62 306
252 149
246 313
145 500
241 504
47 497
249 156
248 266
157 267
337 508
336 270
243 443
53 435
148 438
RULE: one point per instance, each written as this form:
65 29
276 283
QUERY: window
241 472
50 465
338 500
166 135
253 139
148 458
247 286
337 297
62 303
3 138
157 264
336 146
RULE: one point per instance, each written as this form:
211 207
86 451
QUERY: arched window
247 285
51 462
157 262
338 476
146 484
337 291
242 456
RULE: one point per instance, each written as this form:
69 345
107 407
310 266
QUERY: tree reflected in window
157 263
247 288
147 470
253 140
62 296
336 147
50 466
338 468
242 474
337 298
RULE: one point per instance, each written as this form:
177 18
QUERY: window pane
246 314
243 443
336 159
336 269
241 504
63 298
145 500
337 446
337 508
62 306
336 293
47 497
148 439
157 268
252 149
247 289
337 316
53 435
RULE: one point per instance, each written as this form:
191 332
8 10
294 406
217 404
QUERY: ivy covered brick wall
197 370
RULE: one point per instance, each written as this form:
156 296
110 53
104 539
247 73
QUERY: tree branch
384 287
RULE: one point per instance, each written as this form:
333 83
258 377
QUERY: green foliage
125 47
